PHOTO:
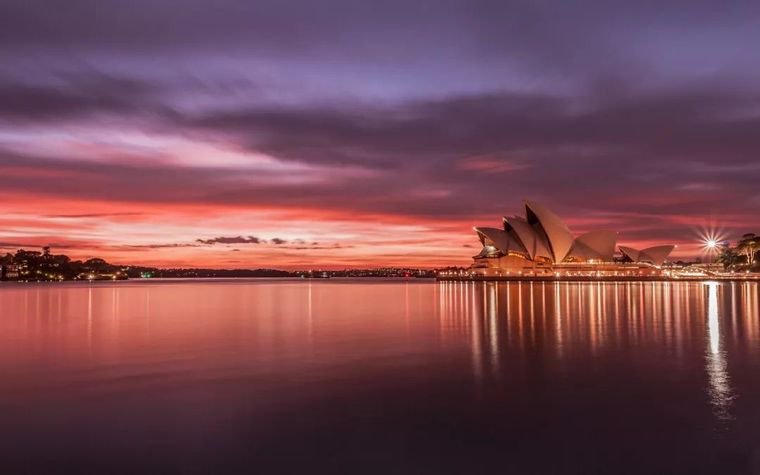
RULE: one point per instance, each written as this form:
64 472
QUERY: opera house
541 244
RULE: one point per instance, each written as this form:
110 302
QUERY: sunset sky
300 134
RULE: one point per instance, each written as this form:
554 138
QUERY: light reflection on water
720 384
606 315
263 368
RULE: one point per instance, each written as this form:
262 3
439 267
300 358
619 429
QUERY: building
9 272
541 244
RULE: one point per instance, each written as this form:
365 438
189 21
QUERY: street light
710 244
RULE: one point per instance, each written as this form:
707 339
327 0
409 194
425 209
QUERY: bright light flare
711 240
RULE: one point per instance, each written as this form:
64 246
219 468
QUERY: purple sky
347 133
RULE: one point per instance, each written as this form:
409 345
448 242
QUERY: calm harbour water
356 376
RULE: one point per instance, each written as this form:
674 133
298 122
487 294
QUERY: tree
729 257
748 244
6 259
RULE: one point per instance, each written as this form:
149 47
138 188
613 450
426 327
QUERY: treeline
744 256
42 266
150 272
35 266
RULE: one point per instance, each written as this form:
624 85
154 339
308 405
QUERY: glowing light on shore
712 241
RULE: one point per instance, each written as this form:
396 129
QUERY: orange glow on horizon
166 234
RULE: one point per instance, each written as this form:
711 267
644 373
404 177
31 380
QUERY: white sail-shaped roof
595 245
656 254
499 239
543 235
630 253
558 235
495 237
533 242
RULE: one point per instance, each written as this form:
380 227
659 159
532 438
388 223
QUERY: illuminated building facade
541 244
9 272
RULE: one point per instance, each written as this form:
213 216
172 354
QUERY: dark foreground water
379 377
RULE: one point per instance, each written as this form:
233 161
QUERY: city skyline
290 134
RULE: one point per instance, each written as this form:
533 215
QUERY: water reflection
552 322
216 371
720 384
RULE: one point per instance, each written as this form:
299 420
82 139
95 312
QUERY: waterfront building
540 243
9 272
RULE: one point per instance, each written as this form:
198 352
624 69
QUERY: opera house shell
541 242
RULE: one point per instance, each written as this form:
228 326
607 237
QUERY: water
262 376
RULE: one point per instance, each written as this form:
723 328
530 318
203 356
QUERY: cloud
471 41
440 158
491 164
360 113
93 215
232 240
4 244
37 242
66 96
298 243
317 247
159 246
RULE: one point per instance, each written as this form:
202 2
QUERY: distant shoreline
43 265
527 279
191 279
477 278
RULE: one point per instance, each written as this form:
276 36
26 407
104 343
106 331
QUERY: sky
346 133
